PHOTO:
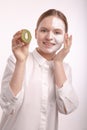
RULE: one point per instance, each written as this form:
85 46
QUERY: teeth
48 43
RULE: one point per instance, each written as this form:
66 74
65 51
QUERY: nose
49 36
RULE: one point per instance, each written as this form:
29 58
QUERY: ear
36 33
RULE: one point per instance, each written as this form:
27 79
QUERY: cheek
58 46
59 39
39 37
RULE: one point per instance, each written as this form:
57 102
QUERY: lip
48 44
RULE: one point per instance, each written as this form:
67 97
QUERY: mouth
48 44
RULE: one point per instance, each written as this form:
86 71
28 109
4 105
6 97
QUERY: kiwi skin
26 36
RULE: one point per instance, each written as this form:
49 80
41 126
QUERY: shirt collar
40 59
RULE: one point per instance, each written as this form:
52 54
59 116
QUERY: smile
48 44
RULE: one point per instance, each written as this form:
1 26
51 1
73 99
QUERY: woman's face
50 34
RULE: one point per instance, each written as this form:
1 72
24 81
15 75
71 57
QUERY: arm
66 97
60 76
12 88
20 51
8 101
17 77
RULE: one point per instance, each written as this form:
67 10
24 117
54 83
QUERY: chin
49 51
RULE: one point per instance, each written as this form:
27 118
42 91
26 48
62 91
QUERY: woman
38 85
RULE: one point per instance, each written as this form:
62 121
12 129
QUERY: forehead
53 22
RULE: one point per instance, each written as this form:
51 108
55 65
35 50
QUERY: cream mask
58 24
57 28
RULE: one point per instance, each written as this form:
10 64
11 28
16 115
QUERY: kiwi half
26 36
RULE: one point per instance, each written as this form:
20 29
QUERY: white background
19 14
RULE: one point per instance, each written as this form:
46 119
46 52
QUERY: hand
19 48
65 50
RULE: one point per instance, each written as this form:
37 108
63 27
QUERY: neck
48 56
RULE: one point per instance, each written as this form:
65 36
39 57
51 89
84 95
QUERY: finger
20 45
65 40
17 33
15 43
17 46
70 40
17 36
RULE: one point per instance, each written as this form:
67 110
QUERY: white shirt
37 105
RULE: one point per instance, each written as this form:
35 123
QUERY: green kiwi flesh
26 36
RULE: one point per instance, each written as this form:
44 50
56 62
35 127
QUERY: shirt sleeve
9 103
67 100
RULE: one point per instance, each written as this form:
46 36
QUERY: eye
43 30
57 33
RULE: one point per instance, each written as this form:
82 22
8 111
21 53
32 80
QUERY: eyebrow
59 30
56 29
